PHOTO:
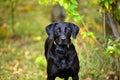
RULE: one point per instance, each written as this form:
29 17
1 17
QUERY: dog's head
61 32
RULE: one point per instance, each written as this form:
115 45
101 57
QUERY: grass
18 61
22 58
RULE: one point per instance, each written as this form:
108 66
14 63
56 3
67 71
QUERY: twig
104 28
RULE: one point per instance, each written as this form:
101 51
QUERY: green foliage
69 5
113 48
89 34
116 13
105 5
40 60
4 32
44 2
112 6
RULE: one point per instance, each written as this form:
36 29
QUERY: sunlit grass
19 60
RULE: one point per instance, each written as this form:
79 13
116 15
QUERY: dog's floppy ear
75 29
50 30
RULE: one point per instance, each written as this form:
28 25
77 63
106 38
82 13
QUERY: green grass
17 61
18 56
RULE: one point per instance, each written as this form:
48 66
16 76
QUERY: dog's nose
63 37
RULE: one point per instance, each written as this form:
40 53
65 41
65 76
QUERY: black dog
60 53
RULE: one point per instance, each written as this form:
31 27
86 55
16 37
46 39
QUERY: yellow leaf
37 38
65 5
107 5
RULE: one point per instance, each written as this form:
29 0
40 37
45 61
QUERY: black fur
60 53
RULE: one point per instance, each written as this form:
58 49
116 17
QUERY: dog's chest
63 69
62 59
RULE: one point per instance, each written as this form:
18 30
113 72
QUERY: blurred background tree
58 14
111 10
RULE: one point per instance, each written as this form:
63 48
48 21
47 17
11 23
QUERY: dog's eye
67 30
58 30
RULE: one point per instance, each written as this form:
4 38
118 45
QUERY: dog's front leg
50 78
75 77
66 78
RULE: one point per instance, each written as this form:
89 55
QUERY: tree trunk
58 14
112 27
112 20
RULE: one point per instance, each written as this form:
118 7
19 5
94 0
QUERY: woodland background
22 37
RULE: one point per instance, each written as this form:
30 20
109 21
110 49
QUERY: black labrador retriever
60 53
